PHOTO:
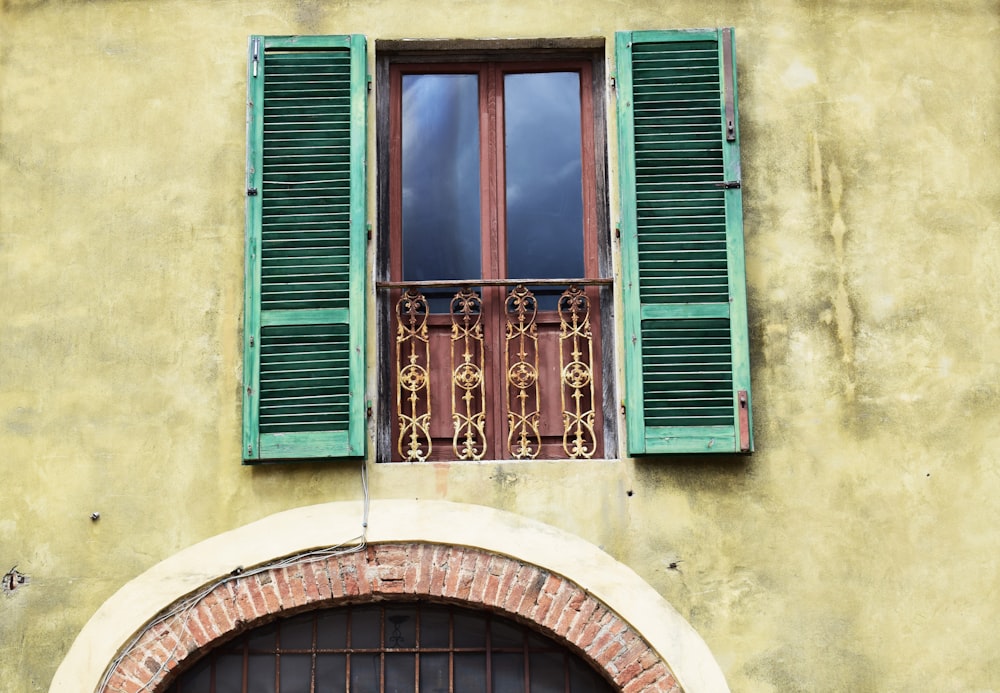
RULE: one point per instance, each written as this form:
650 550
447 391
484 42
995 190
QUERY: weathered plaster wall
859 547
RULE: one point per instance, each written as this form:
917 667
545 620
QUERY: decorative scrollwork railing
576 365
524 441
413 401
468 386
520 387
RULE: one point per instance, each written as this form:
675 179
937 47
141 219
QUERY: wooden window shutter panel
304 314
687 367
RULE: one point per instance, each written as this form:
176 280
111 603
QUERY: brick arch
470 577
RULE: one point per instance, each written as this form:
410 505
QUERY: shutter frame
652 307
335 311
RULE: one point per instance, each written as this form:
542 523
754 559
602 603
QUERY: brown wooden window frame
491 64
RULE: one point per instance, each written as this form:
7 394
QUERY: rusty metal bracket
744 403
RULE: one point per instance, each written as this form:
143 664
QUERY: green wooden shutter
687 367
304 332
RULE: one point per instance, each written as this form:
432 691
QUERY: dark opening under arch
391 647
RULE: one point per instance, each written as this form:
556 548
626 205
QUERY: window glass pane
198 679
583 679
548 675
470 673
331 630
366 623
400 627
265 638
440 151
508 673
296 672
296 633
229 674
504 634
434 673
470 630
400 673
260 674
433 628
331 673
366 673
544 175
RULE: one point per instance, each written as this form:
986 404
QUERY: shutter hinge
369 83
623 409
256 55
729 184
249 392
369 409
369 229
613 84
251 340
252 192
618 230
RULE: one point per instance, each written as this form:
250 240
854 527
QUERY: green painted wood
252 269
280 446
359 236
684 310
331 316
693 439
304 341
740 329
682 245
632 324
292 42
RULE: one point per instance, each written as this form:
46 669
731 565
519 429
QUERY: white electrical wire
185 607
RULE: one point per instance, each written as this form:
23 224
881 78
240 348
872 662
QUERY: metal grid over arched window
391 648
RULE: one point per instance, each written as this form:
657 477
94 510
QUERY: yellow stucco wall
857 549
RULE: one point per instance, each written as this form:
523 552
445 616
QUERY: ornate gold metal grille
468 393
413 401
576 358
521 362
532 412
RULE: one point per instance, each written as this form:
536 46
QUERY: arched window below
411 647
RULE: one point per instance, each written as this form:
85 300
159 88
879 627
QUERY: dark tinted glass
470 629
331 672
297 633
401 627
366 627
543 175
229 674
366 673
434 673
296 672
400 673
260 674
470 673
508 673
440 141
547 672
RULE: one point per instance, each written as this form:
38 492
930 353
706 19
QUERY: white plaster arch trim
436 522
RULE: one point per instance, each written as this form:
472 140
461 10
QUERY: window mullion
494 252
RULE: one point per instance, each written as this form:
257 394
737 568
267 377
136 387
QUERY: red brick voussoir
464 576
